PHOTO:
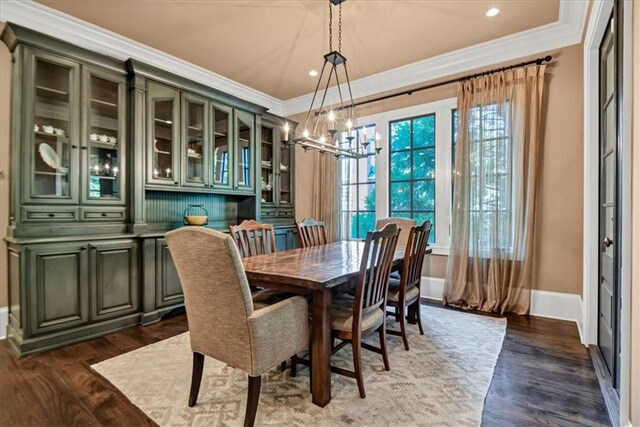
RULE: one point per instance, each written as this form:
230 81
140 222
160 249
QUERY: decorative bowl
196 219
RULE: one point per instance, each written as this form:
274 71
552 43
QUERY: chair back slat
375 267
253 238
312 232
414 256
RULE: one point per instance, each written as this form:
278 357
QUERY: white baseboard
553 305
4 322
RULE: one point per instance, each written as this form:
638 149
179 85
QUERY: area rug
442 381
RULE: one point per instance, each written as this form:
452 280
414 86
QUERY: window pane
424 131
400 214
400 196
400 135
424 163
366 197
349 197
400 165
366 223
424 195
421 217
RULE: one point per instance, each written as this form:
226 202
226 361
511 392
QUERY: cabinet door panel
222 157
195 141
245 152
58 288
168 288
282 241
103 141
163 145
268 160
114 279
52 112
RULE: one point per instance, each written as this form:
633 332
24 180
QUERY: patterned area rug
441 381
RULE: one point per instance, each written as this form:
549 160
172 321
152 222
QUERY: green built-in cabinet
106 156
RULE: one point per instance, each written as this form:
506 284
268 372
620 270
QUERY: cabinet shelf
220 134
62 138
162 152
195 128
49 173
48 92
163 123
105 103
104 177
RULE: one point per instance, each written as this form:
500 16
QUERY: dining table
317 272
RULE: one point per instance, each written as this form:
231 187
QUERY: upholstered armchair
224 322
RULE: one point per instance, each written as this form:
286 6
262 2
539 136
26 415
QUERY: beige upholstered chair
354 318
405 292
224 322
312 232
404 224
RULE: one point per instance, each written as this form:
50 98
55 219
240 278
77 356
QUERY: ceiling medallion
334 129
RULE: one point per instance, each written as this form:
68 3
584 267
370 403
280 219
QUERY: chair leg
418 317
253 397
397 313
196 378
283 366
382 331
357 365
403 326
294 365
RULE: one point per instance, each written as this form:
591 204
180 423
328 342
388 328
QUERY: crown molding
566 31
38 17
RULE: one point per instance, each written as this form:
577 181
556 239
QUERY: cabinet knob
84 248
175 182
104 214
84 147
74 146
51 215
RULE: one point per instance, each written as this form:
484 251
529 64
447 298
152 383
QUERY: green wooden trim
136 67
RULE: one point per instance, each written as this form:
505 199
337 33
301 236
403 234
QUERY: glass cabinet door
53 168
267 181
195 139
103 144
284 173
222 142
245 131
164 144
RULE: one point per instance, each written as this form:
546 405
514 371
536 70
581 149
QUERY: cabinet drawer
103 214
48 214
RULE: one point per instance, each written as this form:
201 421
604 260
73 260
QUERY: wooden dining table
315 271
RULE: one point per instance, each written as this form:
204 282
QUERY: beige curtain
494 201
324 197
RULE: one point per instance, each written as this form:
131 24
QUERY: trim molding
566 31
4 322
54 23
552 305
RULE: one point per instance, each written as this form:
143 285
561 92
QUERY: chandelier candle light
324 128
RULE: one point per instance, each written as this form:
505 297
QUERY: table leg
321 347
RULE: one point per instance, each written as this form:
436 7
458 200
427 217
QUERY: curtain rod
538 61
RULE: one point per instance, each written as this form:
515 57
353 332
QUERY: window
412 169
357 189
490 170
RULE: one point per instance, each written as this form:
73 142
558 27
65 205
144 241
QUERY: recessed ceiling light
493 11
313 73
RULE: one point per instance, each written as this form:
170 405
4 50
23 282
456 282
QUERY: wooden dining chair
404 224
312 233
224 322
404 293
253 238
354 318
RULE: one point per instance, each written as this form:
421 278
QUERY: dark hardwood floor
544 376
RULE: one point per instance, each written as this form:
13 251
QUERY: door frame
598 21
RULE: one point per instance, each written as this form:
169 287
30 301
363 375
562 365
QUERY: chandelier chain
330 28
340 28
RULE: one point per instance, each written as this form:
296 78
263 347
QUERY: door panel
163 145
168 288
608 287
114 279
58 290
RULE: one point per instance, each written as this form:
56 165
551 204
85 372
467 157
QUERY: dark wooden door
58 287
114 279
608 225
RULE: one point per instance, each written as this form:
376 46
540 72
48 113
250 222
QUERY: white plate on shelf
50 157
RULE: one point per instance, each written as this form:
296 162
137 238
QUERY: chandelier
334 129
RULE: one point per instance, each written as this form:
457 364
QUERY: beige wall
558 234
635 250
5 101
